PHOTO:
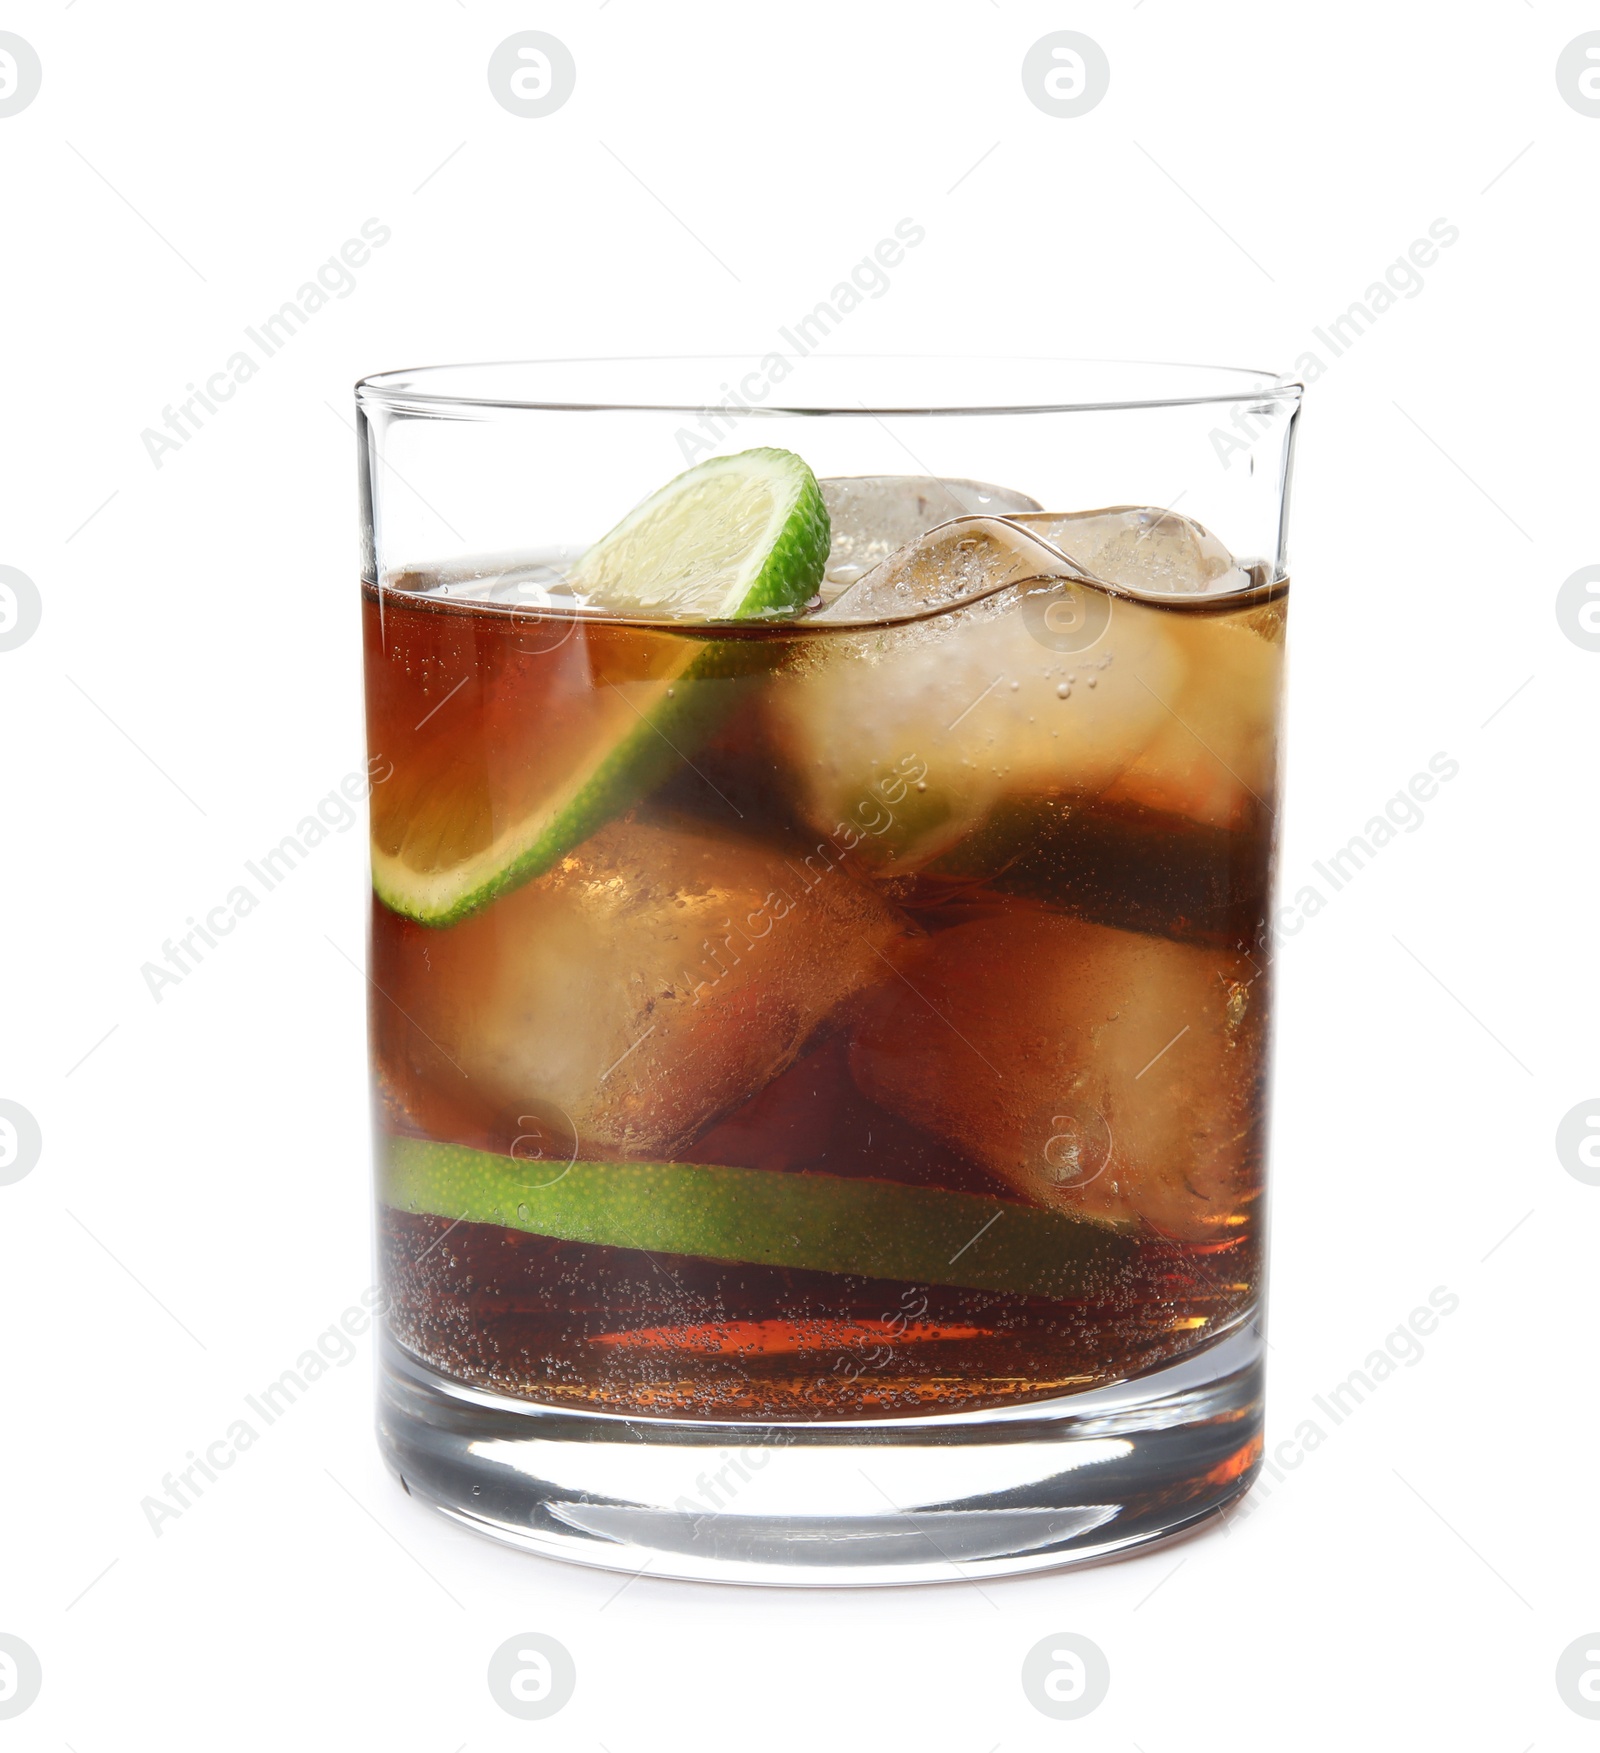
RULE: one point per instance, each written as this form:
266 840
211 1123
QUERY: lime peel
803 1221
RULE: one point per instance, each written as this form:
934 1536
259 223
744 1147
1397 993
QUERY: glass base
950 1498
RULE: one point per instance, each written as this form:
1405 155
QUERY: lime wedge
732 538
818 1223
735 538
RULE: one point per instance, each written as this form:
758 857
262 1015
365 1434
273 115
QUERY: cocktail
820 979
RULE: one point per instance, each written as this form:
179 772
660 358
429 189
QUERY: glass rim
419 390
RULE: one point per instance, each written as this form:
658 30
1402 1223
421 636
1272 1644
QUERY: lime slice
817 1223
735 538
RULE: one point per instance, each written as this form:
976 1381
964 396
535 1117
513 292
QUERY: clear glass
820 1062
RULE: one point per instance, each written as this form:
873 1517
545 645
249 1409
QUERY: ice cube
651 981
903 738
1098 1071
1142 548
872 515
1215 757
961 558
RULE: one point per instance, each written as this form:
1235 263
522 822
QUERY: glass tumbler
820 972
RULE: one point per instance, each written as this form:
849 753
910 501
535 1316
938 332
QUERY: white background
200 1212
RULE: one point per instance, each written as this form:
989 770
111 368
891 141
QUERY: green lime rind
793 571
810 1222
779 573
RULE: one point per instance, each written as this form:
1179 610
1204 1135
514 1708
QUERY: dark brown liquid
620 1329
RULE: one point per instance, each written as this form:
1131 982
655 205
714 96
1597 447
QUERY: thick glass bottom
944 1498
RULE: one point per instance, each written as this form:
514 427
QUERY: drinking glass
820 1055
